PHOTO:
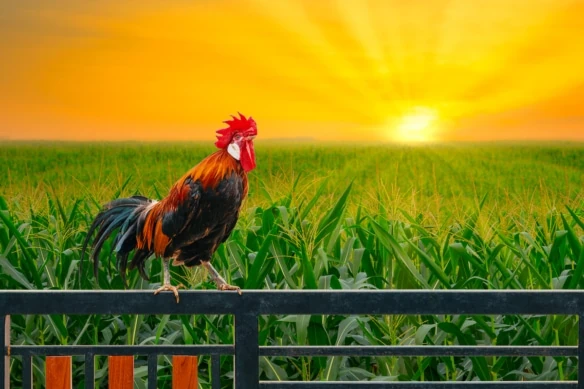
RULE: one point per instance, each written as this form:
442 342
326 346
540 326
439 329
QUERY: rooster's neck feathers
211 170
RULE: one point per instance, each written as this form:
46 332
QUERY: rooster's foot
173 289
226 286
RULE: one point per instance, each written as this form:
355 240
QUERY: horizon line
294 140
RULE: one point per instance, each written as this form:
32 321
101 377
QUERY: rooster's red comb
246 126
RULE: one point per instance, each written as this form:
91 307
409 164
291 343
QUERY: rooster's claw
170 288
225 286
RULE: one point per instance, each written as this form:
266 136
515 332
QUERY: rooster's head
237 138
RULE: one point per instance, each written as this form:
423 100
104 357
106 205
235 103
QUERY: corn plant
316 233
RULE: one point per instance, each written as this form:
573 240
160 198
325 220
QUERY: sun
417 125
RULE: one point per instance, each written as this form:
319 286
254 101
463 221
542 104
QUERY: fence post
5 359
247 364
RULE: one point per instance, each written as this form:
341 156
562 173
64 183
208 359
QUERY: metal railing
247 307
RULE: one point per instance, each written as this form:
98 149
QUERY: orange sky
328 69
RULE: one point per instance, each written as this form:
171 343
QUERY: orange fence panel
184 372
58 373
121 372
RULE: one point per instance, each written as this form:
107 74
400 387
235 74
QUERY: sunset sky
351 70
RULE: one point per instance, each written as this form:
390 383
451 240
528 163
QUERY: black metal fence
253 303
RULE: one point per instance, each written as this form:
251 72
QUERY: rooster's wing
182 209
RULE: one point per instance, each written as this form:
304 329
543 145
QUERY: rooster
189 224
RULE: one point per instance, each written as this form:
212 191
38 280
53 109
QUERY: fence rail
248 307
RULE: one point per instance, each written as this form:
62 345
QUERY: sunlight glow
350 70
418 125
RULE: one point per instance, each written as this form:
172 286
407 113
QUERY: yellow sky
327 69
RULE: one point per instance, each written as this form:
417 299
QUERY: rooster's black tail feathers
124 217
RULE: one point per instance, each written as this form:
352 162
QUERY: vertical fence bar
247 352
26 372
152 368
89 371
5 358
581 351
216 371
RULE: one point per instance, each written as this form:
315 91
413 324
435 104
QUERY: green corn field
458 216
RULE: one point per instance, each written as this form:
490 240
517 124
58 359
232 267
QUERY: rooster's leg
167 285
221 284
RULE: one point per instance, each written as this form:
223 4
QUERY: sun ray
332 58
